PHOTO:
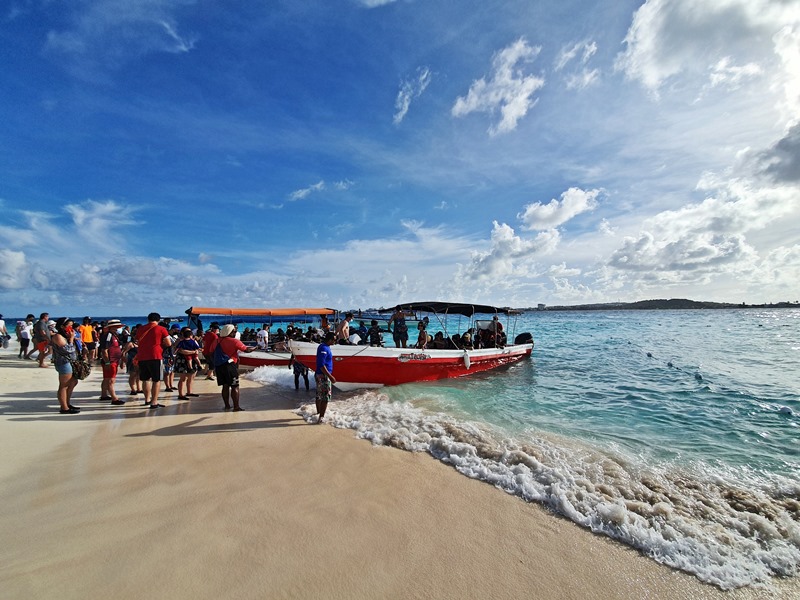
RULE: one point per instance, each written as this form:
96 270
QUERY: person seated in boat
454 342
362 332
374 336
438 342
280 341
343 330
466 341
484 338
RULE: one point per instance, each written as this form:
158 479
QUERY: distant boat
363 366
273 357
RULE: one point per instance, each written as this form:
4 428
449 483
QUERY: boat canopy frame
258 315
442 310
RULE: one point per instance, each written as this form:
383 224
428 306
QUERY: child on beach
300 370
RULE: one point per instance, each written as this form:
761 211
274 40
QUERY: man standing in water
324 374
152 338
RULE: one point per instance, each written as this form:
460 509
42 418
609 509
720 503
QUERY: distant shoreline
673 304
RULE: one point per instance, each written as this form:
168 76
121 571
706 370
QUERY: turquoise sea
676 432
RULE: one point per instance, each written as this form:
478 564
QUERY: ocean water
676 432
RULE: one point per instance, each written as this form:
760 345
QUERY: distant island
672 304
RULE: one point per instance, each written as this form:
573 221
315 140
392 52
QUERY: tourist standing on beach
85 337
130 351
187 363
110 355
26 335
169 359
324 374
299 370
400 333
226 365
4 337
41 337
152 339
63 343
209 343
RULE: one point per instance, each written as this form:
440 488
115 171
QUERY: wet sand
195 502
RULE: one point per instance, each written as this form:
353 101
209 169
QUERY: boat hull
366 366
264 359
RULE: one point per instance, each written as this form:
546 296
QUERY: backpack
220 358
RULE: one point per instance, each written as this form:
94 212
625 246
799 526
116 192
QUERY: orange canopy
258 312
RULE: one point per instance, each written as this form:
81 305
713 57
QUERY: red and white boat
363 366
257 316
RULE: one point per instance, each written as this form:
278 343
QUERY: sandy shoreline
197 502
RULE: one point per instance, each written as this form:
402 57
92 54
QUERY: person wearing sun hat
110 355
226 365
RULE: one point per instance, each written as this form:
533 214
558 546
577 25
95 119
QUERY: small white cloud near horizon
574 201
410 89
508 90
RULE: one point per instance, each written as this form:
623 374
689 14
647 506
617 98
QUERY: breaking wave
726 527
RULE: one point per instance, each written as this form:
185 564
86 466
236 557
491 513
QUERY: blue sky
160 154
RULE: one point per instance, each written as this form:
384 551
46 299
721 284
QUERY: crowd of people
154 352
151 353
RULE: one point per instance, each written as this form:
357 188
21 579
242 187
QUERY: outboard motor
524 338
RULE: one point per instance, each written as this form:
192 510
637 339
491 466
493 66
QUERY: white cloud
106 34
510 256
669 38
509 89
707 240
782 161
567 54
305 192
557 212
13 269
344 184
582 77
410 89
95 220
375 3
731 76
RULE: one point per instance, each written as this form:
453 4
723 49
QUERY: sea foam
725 533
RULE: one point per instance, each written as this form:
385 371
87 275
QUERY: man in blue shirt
324 374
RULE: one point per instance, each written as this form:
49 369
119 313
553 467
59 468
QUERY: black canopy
454 308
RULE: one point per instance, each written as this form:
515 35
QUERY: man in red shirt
209 342
226 364
152 338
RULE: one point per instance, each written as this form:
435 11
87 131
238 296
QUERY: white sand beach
195 502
